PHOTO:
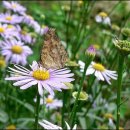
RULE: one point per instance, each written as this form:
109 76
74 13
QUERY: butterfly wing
53 54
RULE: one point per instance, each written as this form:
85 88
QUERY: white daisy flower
102 17
15 51
99 71
49 126
50 79
51 102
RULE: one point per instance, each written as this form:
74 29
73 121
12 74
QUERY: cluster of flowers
15 38
18 31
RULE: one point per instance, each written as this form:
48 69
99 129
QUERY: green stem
119 88
63 108
74 110
37 110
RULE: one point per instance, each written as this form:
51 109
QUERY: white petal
68 127
110 75
99 75
17 78
28 85
75 126
40 89
90 71
48 88
81 63
22 82
106 78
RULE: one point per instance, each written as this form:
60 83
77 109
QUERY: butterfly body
53 54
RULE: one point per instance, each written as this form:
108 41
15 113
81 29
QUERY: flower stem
119 88
74 110
63 108
37 110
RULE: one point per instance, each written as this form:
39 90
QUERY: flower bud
126 32
82 96
91 51
123 46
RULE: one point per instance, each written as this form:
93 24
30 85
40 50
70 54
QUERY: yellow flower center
41 74
2 63
14 5
103 14
9 18
17 49
10 26
49 100
23 32
108 115
98 67
2 29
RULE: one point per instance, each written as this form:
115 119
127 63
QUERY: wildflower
51 102
15 51
5 32
102 17
49 126
91 51
123 46
50 79
24 35
99 71
14 6
82 96
28 19
11 19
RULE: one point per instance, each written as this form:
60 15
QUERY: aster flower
50 79
24 35
102 17
28 19
14 6
15 51
51 102
49 126
6 32
99 71
11 19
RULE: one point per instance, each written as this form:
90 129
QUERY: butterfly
53 54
